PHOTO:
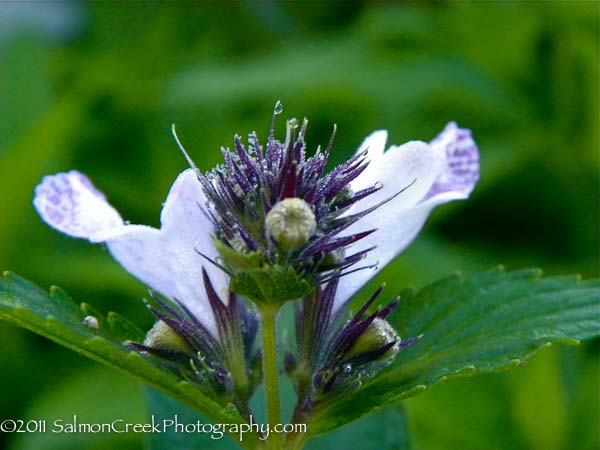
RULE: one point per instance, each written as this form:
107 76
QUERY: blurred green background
96 87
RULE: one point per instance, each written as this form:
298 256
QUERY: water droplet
278 107
91 322
347 368
293 123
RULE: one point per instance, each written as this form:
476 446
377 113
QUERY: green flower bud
377 335
291 223
162 337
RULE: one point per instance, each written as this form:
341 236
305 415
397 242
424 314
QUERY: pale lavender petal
413 167
459 155
396 231
70 203
165 263
453 175
167 260
374 144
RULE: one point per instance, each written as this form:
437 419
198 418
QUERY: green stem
295 441
271 373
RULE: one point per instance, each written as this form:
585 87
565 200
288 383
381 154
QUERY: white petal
412 164
396 231
167 260
70 203
374 144
167 264
183 215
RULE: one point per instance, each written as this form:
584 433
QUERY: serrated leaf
57 317
491 322
270 285
238 261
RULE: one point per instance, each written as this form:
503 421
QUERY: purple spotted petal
167 260
70 203
459 155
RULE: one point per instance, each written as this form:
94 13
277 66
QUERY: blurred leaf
24 88
386 430
487 323
29 157
90 396
165 408
60 319
540 412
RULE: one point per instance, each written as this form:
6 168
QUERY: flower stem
295 441
271 372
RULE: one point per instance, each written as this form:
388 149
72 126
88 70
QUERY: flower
446 169
270 225
374 204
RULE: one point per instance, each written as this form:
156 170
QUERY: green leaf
57 317
238 261
491 322
270 285
263 284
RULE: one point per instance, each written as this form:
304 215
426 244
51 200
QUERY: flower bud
379 334
162 337
291 223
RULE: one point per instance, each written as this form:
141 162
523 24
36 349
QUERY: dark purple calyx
223 365
330 358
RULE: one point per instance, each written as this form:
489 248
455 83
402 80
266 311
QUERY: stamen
331 139
213 262
182 149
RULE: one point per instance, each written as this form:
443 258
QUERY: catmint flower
277 215
270 225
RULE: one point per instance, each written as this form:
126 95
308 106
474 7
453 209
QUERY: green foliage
270 285
263 284
492 322
57 317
